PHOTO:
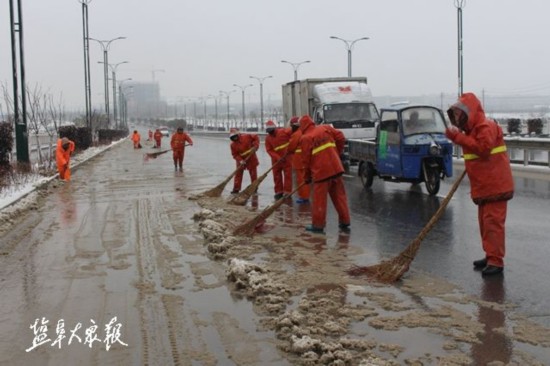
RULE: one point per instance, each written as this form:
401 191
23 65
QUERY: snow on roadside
14 194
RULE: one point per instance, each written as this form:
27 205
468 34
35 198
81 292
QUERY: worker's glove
451 132
242 163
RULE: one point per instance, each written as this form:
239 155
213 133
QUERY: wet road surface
119 241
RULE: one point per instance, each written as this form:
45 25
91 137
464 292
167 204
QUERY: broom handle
262 177
237 170
441 208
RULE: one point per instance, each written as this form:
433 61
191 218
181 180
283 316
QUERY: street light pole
113 72
122 102
261 81
295 66
87 86
227 93
21 134
459 4
349 47
105 46
243 87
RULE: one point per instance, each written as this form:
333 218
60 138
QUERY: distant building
143 99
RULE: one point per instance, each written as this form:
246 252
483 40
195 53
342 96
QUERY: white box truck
344 102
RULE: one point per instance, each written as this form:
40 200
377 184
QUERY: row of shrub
6 144
108 136
534 126
81 136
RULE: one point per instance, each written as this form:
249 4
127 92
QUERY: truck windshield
422 120
350 112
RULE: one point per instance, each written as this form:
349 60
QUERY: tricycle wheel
432 179
366 173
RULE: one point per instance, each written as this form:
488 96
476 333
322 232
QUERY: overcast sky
209 45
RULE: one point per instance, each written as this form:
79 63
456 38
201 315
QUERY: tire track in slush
152 315
167 329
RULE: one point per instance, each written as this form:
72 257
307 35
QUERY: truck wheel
432 179
366 173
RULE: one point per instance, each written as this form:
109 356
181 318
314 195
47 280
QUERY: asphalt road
118 241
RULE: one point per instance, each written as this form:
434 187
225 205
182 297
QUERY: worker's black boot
491 270
480 263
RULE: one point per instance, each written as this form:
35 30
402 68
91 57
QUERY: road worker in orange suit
276 144
243 150
136 138
158 138
488 168
321 149
295 151
63 152
177 143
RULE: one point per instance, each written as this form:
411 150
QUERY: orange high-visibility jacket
242 148
178 140
321 149
62 156
276 145
486 161
295 148
136 137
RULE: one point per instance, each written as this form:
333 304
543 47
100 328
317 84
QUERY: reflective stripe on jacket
321 149
242 149
276 144
485 158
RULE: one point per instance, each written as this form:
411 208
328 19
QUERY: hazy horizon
197 49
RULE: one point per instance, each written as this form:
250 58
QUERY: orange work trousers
282 177
237 183
305 190
334 187
178 155
64 172
492 217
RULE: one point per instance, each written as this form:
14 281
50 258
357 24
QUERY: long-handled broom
243 197
392 270
217 190
154 155
247 229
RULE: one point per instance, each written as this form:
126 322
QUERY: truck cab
347 106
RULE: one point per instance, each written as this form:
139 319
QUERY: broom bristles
217 190
153 155
243 197
393 269
249 227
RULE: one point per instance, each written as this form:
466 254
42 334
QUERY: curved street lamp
349 47
459 4
123 103
243 87
113 78
261 81
226 94
105 46
295 66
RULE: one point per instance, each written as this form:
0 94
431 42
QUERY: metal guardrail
523 150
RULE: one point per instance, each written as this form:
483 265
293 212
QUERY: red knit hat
295 121
270 125
233 132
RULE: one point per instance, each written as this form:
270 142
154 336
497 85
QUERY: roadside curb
43 182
